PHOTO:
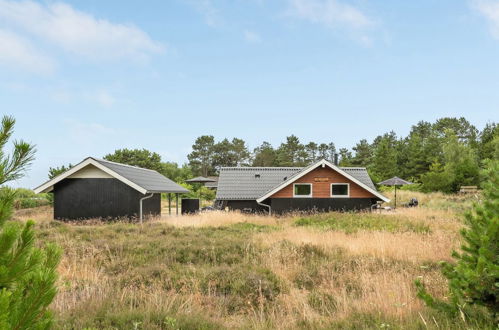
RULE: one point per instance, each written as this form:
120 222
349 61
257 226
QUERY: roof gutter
140 209
265 205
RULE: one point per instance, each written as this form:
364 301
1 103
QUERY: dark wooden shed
98 188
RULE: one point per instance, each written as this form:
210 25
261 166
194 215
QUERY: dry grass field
231 270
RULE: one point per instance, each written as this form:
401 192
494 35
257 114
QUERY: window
340 190
302 190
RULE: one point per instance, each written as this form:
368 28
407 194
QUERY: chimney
335 160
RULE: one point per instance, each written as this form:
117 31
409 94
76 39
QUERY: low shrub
244 286
27 203
117 318
322 302
26 198
353 222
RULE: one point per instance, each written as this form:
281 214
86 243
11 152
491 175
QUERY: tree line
438 156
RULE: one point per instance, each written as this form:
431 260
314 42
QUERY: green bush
26 198
244 286
27 203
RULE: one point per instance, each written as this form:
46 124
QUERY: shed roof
150 180
242 183
200 179
213 184
141 179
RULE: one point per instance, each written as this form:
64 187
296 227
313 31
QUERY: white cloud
105 99
330 13
18 52
207 9
61 96
78 32
490 10
252 37
85 133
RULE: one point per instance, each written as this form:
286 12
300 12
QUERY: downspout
140 208
265 205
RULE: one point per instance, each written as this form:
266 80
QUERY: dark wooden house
97 188
322 186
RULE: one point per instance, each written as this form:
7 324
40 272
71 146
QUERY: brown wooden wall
323 189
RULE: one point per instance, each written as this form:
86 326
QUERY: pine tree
201 157
384 161
474 278
27 273
264 155
363 153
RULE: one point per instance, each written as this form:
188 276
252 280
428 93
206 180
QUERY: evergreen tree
222 155
230 153
264 155
426 144
463 129
363 153
345 157
384 163
413 162
136 157
55 171
178 174
331 151
201 157
27 273
312 150
474 278
291 152
488 138
323 150
240 152
460 167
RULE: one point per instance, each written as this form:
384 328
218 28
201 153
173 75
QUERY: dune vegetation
231 270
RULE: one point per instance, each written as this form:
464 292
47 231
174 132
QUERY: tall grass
232 270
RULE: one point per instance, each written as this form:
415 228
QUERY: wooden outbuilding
97 188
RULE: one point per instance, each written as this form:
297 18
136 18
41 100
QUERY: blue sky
84 78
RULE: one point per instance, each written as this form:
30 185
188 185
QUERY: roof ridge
260 168
121 164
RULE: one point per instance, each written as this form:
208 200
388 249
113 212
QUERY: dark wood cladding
243 205
284 205
190 205
100 198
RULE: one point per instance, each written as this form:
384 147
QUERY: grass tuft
354 222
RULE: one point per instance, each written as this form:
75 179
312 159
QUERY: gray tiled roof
241 182
150 180
360 173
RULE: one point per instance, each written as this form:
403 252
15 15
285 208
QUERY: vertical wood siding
100 198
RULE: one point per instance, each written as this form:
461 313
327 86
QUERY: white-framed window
302 190
340 190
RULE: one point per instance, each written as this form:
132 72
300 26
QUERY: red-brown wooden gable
321 179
